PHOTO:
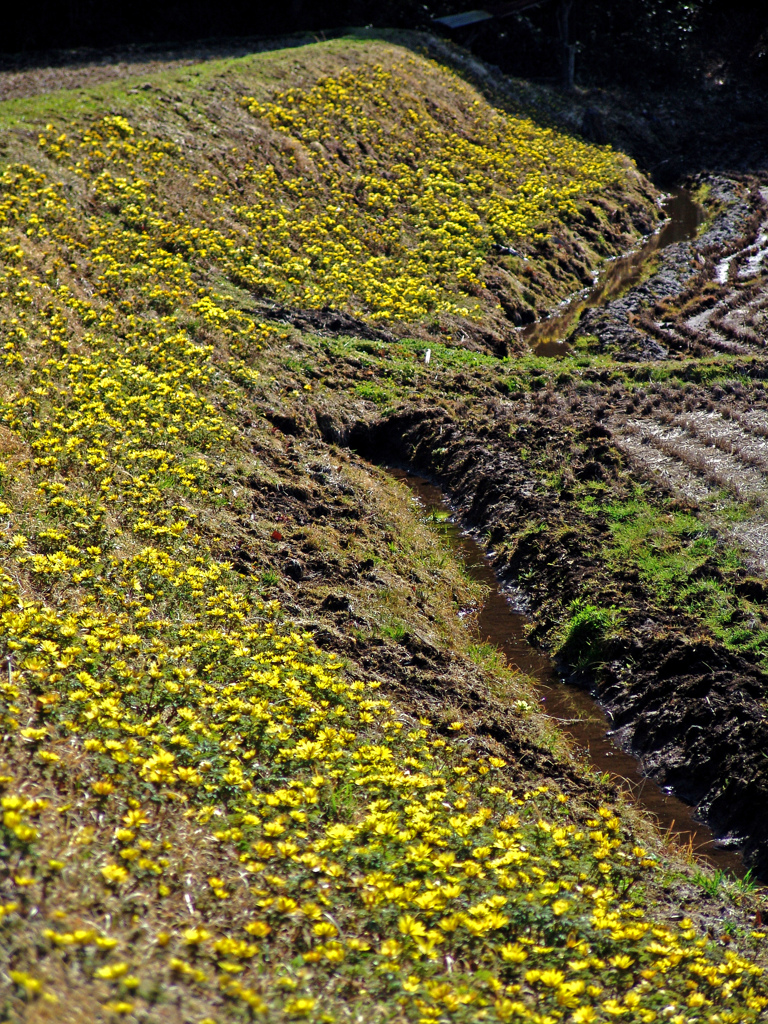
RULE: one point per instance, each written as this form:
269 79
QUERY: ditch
548 337
574 710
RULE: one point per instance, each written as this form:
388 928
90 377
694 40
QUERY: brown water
575 711
547 337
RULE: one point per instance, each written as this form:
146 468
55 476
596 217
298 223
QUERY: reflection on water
578 714
546 337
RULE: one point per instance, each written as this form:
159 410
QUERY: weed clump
587 635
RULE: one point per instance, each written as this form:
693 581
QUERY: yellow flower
622 961
114 874
299 1007
615 1008
110 971
584 1015
411 926
390 948
135 818
513 953
551 978
568 992
260 929
26 981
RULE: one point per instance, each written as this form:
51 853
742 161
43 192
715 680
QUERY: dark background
630 43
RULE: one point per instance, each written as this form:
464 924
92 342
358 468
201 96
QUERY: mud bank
692 712
638 326
499 621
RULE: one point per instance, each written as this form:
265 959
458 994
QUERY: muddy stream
547 337
577 713
498 622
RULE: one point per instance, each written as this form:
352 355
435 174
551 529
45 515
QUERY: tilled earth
629 478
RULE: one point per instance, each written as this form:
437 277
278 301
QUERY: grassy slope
205 817
344 192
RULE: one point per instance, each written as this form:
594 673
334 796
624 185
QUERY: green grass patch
683 566
667 547
374 393
586 637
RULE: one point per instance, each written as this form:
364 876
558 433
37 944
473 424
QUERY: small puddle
546 337
576 712
756 254
753 264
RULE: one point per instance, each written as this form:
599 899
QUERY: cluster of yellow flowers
400 231
360 849
147 688
410 234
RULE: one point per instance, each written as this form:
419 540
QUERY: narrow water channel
575 711
547 337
